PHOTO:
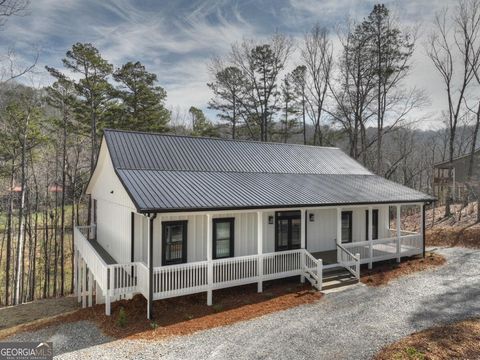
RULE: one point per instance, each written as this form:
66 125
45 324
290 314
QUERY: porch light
270 220
311 217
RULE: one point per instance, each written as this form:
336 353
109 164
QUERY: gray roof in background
177 173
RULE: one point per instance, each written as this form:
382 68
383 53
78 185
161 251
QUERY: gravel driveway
353 324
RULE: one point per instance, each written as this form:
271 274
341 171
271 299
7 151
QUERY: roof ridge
239 172
219 139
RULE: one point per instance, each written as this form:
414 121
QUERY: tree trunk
62 220
9 233
21 219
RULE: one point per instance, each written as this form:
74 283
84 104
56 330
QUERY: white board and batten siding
322 231
114 208
245 234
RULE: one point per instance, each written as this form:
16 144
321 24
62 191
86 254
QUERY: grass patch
459 340
383 273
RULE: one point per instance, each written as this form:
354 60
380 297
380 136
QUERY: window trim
215 221
289 216
184 224
374 217
350 226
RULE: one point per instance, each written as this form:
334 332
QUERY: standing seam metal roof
178 173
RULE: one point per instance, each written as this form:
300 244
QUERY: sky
177 38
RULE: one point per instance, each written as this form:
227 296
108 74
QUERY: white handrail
94 261
349 261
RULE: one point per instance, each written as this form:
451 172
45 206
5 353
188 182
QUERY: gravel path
353 324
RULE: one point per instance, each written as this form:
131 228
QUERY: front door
287 230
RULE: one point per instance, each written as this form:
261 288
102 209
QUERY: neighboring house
453 176
176 215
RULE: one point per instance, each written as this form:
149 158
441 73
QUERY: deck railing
385 249
96 264
119 280
349 261
189 278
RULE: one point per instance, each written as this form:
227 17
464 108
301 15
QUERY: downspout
132 237
150 267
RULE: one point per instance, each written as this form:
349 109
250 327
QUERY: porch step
336 278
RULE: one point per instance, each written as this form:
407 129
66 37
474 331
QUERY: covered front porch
183 253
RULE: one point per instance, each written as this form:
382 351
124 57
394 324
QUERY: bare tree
449 48
262 65
317 55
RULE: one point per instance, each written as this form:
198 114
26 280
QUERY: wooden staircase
337 277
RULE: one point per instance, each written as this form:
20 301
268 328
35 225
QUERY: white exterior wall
245 235
322 232
140 238
114 208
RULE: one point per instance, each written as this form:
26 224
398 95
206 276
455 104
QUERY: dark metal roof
133 150
178 173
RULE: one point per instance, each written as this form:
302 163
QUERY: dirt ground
462 216
36 310
468 237
182 315
454 341
383 273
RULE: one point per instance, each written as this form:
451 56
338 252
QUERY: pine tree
201 126
142 100
85 60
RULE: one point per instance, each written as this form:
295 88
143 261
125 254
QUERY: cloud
176 38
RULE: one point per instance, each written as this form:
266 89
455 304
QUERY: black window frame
214 237
374 226
350 226
184 224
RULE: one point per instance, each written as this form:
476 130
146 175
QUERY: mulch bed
383 273
187 314
468 237
459 340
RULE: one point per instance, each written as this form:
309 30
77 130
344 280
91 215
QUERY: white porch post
398 232
209 259
260 250
90 288
302 243
79 276
84 283
370 236
422 227
75 271
99 298
109 292
339 231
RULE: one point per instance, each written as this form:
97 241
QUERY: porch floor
328 257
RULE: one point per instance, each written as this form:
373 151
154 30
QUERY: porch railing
181 279
349 261
388 248
113 279
189 278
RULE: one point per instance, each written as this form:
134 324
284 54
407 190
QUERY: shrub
122 318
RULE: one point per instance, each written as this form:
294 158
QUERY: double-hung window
223 237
